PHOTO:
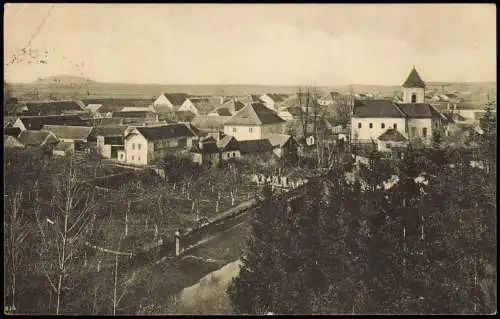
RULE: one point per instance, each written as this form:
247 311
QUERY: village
180 169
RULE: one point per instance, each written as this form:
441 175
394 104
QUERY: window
388 145
121 156
133 157
234 154
382 125
424 132
138 158
250 130
234 129
395 126
413 98
359 125
133 146
139 147
371 125
413 131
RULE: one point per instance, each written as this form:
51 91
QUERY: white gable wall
18 123
136 149
243 132
366 133
188 106
163 101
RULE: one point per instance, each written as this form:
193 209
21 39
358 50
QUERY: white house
414 118
272 101
254 122
145 144
168 102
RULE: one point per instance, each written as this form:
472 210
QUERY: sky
272 44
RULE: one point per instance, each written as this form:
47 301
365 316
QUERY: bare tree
64 230
16 231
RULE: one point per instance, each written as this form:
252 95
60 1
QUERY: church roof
414 80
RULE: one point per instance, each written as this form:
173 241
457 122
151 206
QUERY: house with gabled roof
168 102
143 145
205 151
283 144
255 147
38 139
10 141
199 106
254 122
55 108
108 140
36 122
391 139
414 119
228 147
67 133
273 100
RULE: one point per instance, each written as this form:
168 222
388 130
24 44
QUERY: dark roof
255 146
419 110
295 111
392 135
36 122
414 80
107 121
228 143
223 111
111 130
279 139
255 98
12 131
54 107
114 140
376 108
277 97
208 146
254 114
69 132
109 108
176 98
155 133
36 138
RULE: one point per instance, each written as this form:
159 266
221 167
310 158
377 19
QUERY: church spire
414 80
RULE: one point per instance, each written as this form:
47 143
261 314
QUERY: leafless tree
64 230
16 229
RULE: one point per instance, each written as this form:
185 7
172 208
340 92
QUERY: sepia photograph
250 159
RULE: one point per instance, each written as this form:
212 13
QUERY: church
390 124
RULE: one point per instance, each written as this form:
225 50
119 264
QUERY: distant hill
74 87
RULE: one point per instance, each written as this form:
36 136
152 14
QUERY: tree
16 231
63 231
250 292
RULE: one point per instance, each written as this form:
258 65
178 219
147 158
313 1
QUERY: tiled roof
255 146
210 123
155 133
419 110
37 138
228 143
176 98
254 114
223 111
11 142
392 135
36 122
414 80
54 107
203 105
376 108
69 132
12 131
278 139
110 130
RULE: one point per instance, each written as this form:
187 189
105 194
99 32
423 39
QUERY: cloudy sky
282 44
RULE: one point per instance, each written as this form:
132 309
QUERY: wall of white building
419 93
136 150
378 126
416 129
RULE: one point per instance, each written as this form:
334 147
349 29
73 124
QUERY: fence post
177 243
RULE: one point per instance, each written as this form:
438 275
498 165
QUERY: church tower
414 88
